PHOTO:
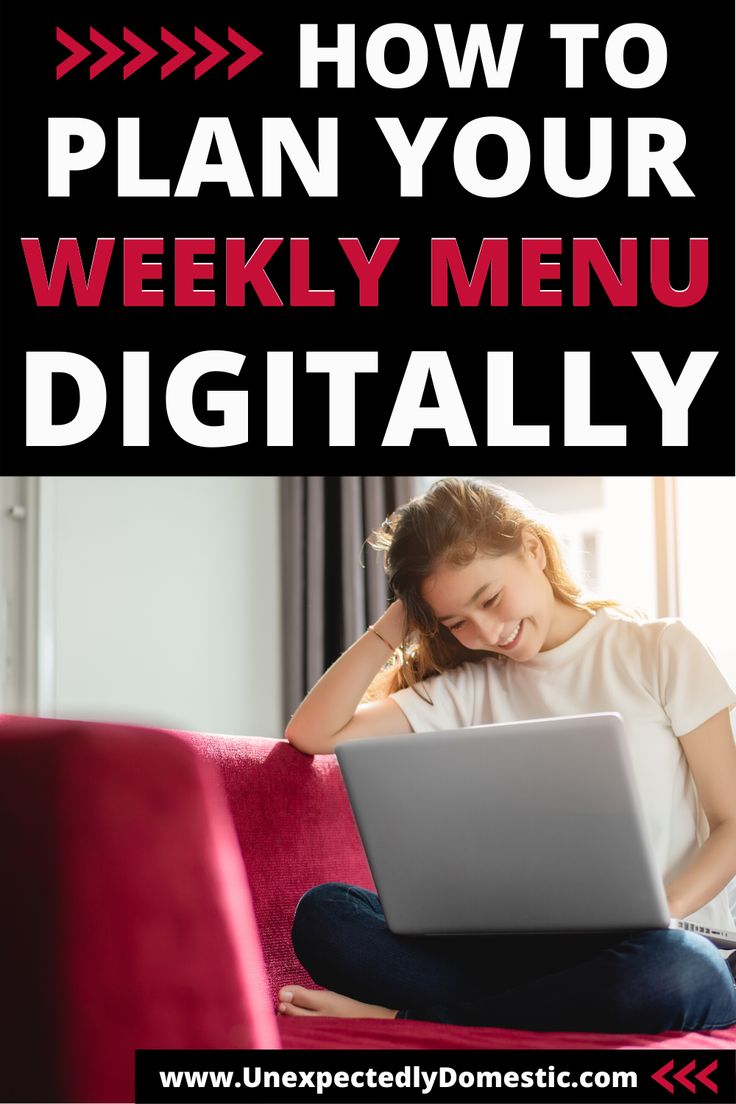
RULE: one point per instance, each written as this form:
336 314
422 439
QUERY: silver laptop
534 826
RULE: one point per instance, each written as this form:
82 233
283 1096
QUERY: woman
496 630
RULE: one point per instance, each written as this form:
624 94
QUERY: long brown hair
451 523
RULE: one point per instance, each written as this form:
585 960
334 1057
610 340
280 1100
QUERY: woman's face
498 603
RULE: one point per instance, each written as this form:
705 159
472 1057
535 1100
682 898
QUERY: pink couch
149 880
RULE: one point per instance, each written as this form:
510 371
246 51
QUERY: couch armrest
127 920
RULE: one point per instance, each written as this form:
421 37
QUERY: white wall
160 601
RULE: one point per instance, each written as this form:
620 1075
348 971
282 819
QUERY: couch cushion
296 829
130 922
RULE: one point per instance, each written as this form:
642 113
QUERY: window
705 524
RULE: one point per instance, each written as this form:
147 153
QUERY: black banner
444 1076
270 242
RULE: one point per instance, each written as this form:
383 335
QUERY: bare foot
295 1000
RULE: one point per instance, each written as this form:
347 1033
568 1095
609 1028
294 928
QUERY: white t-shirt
657 674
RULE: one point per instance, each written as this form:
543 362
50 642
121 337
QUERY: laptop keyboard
705 931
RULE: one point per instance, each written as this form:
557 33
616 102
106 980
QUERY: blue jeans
631 982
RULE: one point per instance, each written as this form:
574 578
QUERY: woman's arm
331 711
711 754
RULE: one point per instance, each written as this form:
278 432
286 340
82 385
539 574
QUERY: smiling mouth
510 642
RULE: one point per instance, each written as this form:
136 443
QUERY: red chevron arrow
660 1078
703 1076
145 53
216 53
182 53
111 53
250 53
78 53
681 1076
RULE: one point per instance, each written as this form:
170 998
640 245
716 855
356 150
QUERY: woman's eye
489 602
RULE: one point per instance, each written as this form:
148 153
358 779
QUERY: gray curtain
334 585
